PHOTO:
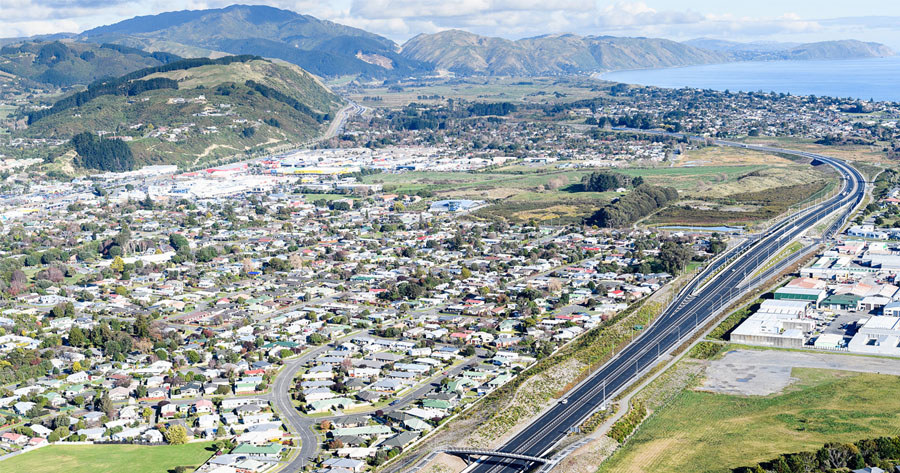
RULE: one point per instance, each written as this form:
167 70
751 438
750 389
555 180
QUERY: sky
753 20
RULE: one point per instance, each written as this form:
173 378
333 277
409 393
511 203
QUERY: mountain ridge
318 46
329 49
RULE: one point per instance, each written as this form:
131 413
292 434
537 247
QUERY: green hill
194 111
318 46
466 53
69 63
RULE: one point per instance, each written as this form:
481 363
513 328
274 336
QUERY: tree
207 254
179 242
176 435
76 338
105 404
141 327
674 257
118 264
193 357
76 367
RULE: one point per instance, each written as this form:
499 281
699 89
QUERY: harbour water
876 78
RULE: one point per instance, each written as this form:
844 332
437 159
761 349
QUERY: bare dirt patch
444 463
764 372
586 458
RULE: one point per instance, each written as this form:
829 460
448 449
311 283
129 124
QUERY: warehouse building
841 301
814 296
877 336
891 309
872 303
777 323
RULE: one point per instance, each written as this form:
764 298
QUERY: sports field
109 458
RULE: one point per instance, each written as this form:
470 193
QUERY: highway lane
689 310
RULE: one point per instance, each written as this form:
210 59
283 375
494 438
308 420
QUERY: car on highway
563 401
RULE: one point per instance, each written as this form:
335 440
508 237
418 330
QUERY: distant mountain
846 49
318 46
194 111
40 38
462 52
732 46
768 51
329 49
69 63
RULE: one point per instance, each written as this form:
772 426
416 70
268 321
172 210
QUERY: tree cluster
278 96
881 452
102 154
603 181
642 201
481 109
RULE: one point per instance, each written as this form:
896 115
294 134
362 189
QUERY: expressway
718 284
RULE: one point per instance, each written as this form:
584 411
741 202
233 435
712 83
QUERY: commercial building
877 336
777 323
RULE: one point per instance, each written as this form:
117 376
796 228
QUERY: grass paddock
707 432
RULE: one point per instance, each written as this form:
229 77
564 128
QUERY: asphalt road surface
688 311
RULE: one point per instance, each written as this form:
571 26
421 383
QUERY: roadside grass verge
782 255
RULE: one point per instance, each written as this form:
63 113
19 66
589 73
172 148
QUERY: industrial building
841 302
877 336
777 323
814 296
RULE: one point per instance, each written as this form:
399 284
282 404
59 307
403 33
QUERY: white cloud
401 19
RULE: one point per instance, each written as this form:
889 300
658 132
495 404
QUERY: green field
522 193
707 432
109 458
532 90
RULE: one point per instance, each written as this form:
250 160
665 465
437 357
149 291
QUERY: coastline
864 79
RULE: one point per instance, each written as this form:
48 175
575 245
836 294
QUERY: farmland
534 90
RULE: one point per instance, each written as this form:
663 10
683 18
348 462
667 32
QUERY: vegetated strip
129 85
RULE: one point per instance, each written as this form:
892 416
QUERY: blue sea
877 78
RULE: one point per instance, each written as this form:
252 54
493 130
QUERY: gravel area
764 372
